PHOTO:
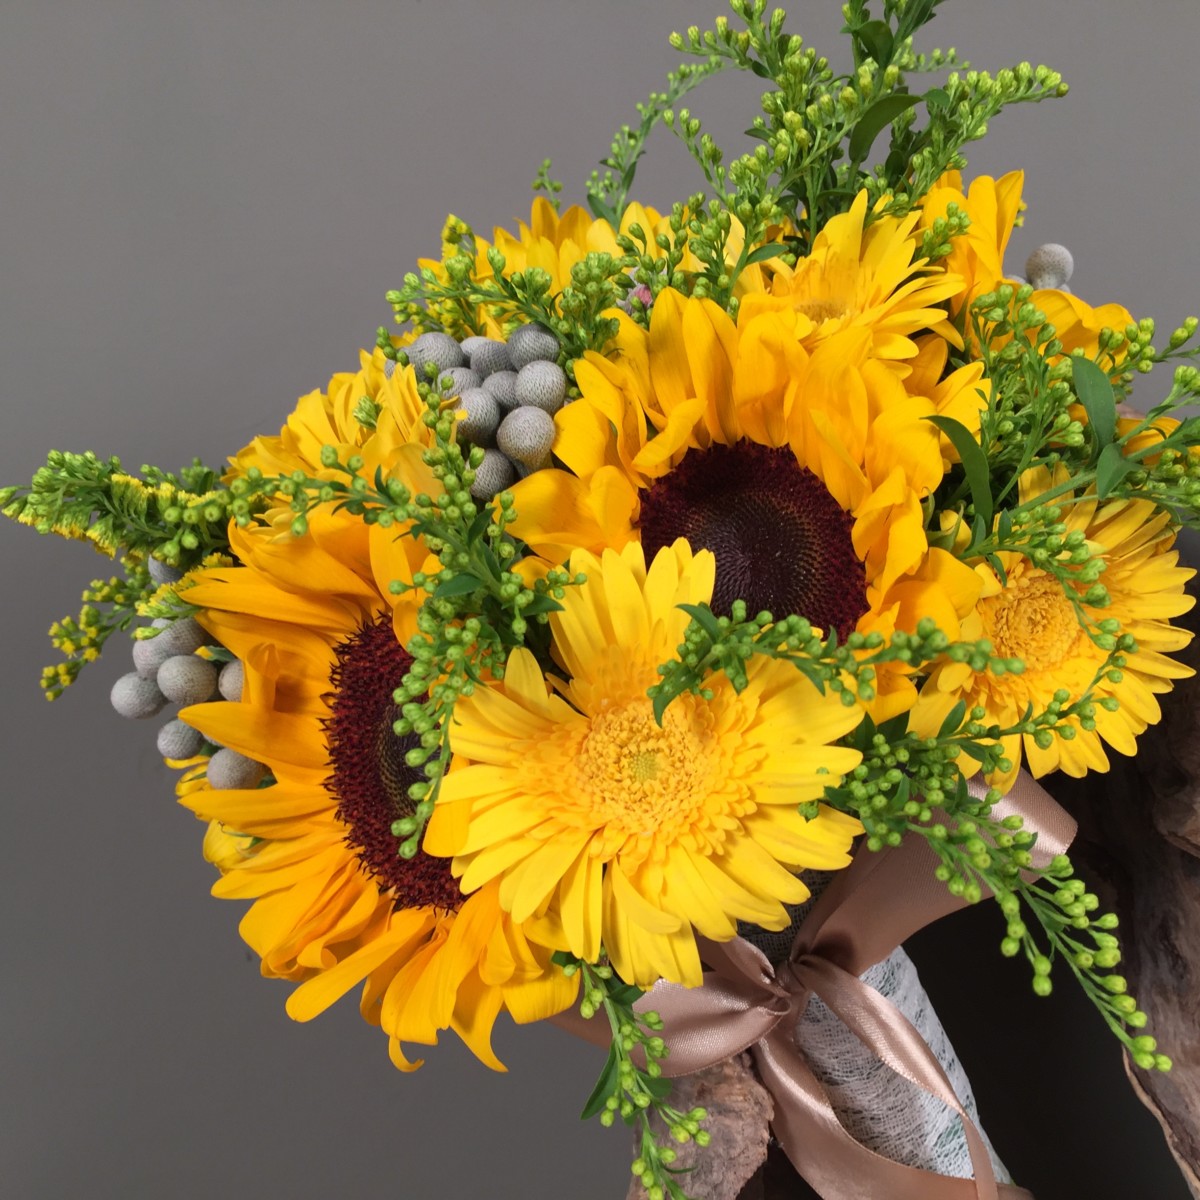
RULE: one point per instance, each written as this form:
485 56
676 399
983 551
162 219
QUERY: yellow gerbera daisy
334 905
803 473
602 827
1030 617
864 276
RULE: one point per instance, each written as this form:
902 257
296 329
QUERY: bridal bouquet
660 567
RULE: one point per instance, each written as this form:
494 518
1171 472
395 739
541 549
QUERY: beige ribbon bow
746 1004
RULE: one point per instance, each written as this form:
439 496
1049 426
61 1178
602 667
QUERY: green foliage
628 1090
819 129
608 194
542 182
456 299
176 518
711 643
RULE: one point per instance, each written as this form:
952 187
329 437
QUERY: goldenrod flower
803 473
602 827
1032 618
334 905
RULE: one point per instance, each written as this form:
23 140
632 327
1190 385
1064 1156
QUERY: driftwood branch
739 1112
1139 842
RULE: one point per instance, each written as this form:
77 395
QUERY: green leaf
954 718
1188 431
993 561
1094 390
883 112
914 15
876 39
490 562
1112 467
974 749
605 1086
541 604
705 618
662 699
483 519
936 98
459 585
974 462
625 994
773 250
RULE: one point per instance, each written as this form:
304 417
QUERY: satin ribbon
867 911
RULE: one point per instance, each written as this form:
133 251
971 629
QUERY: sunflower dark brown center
370 778
781 541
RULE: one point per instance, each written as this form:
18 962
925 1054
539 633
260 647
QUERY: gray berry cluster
508 392
167 670
1050 266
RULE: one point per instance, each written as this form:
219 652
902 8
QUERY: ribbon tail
836 1165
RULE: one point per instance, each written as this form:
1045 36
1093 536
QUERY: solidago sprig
176 518
109 606
713 643
625 1087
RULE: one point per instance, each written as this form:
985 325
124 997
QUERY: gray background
201 206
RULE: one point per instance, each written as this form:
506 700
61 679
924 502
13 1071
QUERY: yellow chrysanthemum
803 473
861 275
602 827
334 905
1030 617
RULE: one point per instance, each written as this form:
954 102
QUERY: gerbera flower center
645 778
818 309
1032 620
781 541
370 778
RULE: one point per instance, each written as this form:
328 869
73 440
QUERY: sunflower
556 244
803 472
603 828
334 905
977 257
860 275
394 444
328 419
1031 617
